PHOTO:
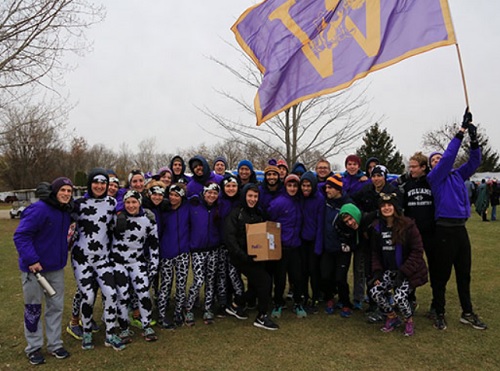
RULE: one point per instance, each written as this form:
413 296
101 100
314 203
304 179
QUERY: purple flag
307 48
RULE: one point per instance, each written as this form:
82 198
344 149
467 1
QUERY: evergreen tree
379 144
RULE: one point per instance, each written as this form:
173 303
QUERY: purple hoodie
42 236
286 210
204 223
352 184
175 227
313 212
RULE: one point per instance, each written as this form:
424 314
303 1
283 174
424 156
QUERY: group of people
132 243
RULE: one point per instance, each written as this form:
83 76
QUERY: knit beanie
176 188
211 187
351 210
388 198
60 182
282 163
380 169
272 168
292 178
221 159
432 155
246 163
335 181
353 158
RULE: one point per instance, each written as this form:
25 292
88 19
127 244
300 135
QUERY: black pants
289 263
334 269
310 270
260 282
452 249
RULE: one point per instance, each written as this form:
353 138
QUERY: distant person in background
42 244
482 200
453 248
283 167
494 198
178 167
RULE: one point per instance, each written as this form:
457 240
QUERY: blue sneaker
36 357
114 342
75 330
87 343
330 307
346 312
60 353
276 313
299 311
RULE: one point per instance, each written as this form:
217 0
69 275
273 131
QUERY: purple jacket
175 232
286 210
204 223
451 198
42 236
195 186
313 212
266 196
352 184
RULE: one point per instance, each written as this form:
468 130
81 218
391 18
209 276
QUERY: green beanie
352 210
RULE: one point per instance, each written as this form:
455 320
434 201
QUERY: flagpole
463 75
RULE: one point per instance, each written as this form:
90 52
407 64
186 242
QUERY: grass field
318 342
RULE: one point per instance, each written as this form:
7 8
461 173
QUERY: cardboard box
264 240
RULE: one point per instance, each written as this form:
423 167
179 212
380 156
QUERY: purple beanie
59 182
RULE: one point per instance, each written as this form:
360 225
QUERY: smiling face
177 167
132 205
198 169
387 210
112 189
272 178
210 197
416 170
231 189
137 183
219 168
157 198
63 196
323 169
352 167
175 200
244 173
166 179
306 188
283 172
292 188
350 221
252 198
98 189
378 181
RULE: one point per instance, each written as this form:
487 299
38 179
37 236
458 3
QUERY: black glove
472 130
403 178
400 277
467 119
376 276
121 224
251 258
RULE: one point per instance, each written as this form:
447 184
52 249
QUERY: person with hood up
220 166
202 175
397 262
90 257
42 245
227 276
178 167
298 169
370 164
285 209
236 242
313 210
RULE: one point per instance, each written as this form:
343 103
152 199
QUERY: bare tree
324 126
34 34
31 146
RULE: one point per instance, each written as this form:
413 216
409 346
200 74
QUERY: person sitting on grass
397 262
42 244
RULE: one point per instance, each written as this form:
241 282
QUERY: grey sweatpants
33 297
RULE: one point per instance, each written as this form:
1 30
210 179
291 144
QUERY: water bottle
47 287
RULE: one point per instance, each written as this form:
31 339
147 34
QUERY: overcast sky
149 70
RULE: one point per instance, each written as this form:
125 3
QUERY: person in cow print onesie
204 240
133 232
90 256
